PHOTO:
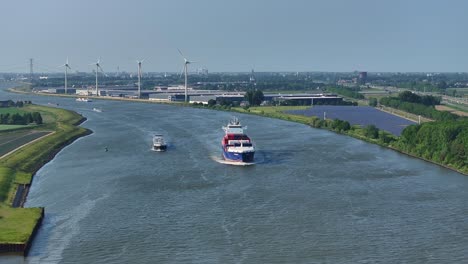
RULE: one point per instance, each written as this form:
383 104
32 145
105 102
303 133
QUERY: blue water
313 196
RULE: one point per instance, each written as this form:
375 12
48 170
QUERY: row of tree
254 97
418 109
11 103
443 142
335 125
411 97
21 119
340 126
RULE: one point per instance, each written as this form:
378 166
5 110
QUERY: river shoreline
252 113
360 138
60 139
298 201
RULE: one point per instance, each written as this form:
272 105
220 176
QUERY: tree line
411 97
419 105
444 142
21 119
344 127
11 103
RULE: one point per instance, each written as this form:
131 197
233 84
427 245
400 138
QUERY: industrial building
175 94
167 97
60 90
308 99
301 99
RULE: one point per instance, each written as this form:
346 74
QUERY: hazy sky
236 35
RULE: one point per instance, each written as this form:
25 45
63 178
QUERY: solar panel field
359 115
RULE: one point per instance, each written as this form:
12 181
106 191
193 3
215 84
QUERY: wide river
313 197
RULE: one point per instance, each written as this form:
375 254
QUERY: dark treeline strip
21 119
418 109
371 132
410 97
11 103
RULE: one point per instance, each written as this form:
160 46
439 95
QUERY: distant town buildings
202 71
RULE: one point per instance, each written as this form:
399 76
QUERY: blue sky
221 35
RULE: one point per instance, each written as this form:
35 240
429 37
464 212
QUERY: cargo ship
236 145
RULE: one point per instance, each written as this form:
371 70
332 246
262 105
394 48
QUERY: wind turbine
186 62
66 72
139 77
98 67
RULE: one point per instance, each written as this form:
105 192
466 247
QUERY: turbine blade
181 72
182 55
180 52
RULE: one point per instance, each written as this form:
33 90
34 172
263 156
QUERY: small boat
97 110
158 143
83 99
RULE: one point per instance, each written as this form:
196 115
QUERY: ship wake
235 163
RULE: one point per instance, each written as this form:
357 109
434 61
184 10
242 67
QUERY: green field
13 127
12 140
16 224
12 110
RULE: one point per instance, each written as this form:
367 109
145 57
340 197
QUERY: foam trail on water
236 163
64 228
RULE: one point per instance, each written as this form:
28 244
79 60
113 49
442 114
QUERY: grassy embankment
17 224
12 127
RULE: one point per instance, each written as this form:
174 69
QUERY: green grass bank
17 225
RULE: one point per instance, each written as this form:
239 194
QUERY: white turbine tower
98 67
139 77
66 73
186 62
